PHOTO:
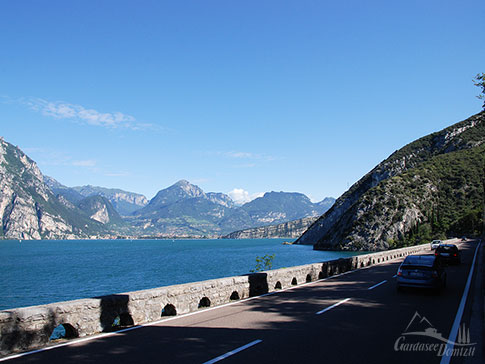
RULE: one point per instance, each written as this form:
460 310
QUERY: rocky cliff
100 209
29 209
372 215
124 202
291 230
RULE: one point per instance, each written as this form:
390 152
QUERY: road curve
353 317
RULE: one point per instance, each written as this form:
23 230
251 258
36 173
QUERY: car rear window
448 247
419 261
417 267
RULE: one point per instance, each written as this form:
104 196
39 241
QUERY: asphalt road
357 317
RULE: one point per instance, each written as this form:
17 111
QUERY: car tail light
399 272
436 253
454 254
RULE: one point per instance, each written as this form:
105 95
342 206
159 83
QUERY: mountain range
184 208
34 206
431 188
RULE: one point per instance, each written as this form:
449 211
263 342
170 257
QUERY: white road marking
448 351
377 285
235 351
333 306
394 276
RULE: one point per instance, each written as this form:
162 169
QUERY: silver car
435 244
421 271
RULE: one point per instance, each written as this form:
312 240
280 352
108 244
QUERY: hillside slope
373 215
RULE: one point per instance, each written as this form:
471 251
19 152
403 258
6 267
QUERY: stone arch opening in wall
378 260
277 285
308 278
64 331
294 282
234 296
204 302
169 310
122 320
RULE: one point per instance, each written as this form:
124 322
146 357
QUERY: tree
263 263
480 82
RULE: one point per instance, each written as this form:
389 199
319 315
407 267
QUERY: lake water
40 272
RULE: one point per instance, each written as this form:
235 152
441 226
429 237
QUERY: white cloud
241 196
248 155
64 110
117 174
240 155
50 157
85 163
245 165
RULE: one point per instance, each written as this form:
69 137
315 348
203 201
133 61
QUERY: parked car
448 253
421 271
435 244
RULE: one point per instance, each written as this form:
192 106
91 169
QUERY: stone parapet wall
28 328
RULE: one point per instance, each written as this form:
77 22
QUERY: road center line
333 306
235 351
377 285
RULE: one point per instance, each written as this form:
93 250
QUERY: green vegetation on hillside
449 192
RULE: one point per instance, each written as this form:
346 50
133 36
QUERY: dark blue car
421 271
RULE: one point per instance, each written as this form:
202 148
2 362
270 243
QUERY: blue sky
296 96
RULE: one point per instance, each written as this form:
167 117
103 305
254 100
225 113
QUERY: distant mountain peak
182 182
190 189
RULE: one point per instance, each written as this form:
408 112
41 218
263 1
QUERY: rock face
180 191
124 202
290 229
99 208
279 207
28 208
379 209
